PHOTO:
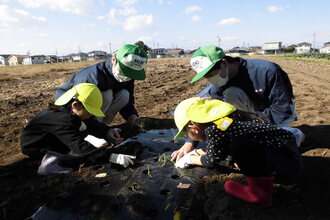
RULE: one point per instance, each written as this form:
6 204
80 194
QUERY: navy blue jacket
100 74
267 85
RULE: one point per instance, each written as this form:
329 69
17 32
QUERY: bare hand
132 120
114 136
186 148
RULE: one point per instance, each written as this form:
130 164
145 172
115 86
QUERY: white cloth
49 164
185 161
122 159
96 142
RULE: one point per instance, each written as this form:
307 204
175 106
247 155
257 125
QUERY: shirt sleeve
66 129
280 97
96 128
216 149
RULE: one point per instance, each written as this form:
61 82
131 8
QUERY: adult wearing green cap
60 131
261 150
115 79
251 85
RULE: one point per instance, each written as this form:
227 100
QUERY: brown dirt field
27 90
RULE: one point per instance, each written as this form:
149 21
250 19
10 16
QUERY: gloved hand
122 159
185 162
96 142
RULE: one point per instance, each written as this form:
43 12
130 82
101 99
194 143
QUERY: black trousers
259 160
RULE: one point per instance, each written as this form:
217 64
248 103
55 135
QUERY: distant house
26 60
96 55
157 52
272 48
303 48
38 59
4 59
77 57
175 52
189 53
239 50
51 59
13 60
325 48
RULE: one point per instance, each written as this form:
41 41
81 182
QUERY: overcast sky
67 26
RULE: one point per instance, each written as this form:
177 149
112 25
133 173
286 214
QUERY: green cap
204 59
132 60
88 94
201 111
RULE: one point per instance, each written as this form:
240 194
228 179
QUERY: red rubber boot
259 190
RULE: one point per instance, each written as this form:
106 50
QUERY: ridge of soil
26 91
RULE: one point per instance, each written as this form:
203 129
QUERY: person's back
43 132
98 74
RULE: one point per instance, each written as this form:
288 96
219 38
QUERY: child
261 150
63 128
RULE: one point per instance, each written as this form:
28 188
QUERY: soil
24 93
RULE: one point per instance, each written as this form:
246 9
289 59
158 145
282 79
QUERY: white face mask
217 80
119 76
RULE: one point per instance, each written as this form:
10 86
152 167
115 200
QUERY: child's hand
113 136
185 161
186 148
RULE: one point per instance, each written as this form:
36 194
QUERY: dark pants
256 160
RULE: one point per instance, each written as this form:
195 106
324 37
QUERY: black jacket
60 131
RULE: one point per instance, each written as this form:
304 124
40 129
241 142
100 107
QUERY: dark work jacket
100 74
59 131
267 85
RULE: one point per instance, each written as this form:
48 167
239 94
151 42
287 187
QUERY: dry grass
8 72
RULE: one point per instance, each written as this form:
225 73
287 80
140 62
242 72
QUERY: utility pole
157 48
110 49
79 53
56 55
219 39
314 43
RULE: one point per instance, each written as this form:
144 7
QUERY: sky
61 27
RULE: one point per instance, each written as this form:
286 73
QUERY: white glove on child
122 159
96 142
185 161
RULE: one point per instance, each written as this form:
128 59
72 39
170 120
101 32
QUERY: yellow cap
201 111
88 94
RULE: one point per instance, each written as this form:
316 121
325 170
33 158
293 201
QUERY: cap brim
178 135
65 97
201 74
133 74
94 111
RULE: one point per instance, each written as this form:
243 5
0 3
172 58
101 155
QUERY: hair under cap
201 111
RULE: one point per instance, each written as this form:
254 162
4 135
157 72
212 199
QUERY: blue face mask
217 80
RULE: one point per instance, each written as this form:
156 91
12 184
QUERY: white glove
96 142
122 159
185 161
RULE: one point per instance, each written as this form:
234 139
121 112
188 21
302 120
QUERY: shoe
259 190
